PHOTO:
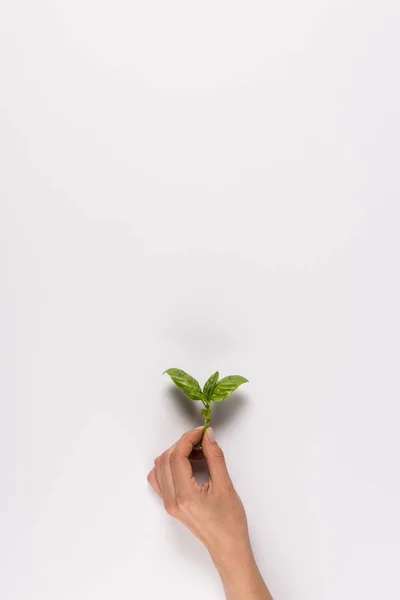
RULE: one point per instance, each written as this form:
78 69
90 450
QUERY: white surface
202 185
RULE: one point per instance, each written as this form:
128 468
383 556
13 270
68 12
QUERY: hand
213 511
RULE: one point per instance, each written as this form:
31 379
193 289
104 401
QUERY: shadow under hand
200 471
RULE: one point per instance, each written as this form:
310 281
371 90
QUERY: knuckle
219 455
157 462
171 508
174 457
164 459
182 499
185 438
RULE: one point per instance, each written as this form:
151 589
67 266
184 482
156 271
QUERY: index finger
179 458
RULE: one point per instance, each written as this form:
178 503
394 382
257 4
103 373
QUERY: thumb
215 459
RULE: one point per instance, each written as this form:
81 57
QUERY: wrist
239 573
229 555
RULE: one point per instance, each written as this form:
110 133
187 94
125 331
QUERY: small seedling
214 390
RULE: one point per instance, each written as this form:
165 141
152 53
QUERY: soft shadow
190 409
226 412
223 413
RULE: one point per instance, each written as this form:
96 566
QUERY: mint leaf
188 384
210 384
226 386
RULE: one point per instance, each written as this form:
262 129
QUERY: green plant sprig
214 390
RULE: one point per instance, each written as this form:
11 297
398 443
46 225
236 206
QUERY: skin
213 512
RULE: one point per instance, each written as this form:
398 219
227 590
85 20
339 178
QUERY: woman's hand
213 511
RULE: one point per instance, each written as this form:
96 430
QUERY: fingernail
210 435
201 427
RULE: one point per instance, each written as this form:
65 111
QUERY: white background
208 185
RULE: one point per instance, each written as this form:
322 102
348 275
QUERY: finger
215 459
180 464
168 485
153 481
157 468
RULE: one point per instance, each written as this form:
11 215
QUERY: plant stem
207 419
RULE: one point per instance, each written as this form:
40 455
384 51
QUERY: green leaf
188 384
210 384
226 386
204 412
